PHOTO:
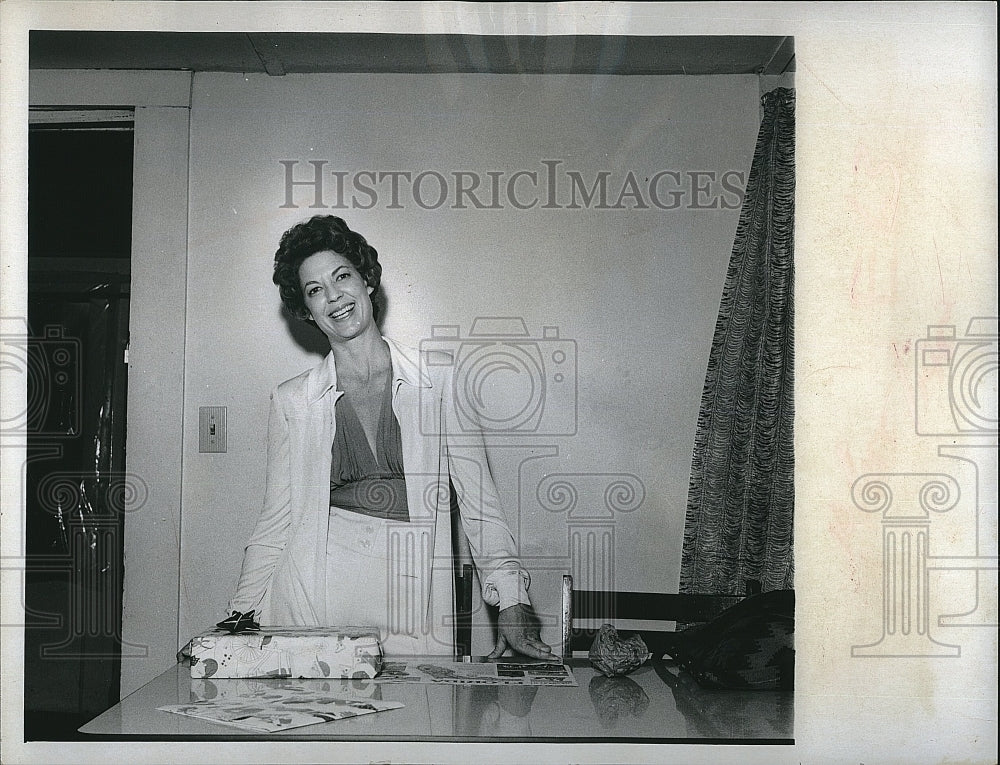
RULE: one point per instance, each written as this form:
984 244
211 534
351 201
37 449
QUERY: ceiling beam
279 53
783 58
266 49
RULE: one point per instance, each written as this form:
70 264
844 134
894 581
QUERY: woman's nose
333 294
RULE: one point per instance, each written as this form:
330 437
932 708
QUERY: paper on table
463 673
271 710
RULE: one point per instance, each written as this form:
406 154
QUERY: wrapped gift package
308 652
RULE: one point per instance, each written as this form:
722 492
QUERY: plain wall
637 290
155 391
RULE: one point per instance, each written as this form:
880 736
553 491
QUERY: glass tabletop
657 703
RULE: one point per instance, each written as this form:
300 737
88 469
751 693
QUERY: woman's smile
341 313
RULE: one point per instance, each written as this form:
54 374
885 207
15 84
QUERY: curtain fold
738 526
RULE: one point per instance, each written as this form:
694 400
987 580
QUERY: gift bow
237 622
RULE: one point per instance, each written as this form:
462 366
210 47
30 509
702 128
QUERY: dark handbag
748 646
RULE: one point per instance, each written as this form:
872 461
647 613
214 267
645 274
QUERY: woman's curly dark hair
318 234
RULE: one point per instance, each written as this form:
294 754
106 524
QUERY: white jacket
284 575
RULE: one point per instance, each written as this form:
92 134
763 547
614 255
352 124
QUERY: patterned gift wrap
306 652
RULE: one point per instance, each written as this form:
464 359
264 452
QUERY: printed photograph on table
477 342
463 673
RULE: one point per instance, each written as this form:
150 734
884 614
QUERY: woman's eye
312 291
343 275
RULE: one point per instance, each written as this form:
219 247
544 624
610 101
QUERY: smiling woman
357 500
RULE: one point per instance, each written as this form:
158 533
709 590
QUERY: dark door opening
79 249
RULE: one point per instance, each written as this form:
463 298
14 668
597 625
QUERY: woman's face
338 298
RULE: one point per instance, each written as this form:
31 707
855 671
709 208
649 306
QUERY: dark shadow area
54 726
79 238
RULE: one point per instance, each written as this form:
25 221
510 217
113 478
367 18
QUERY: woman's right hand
517 629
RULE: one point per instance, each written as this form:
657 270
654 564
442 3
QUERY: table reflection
617 699
489 711
493 711
711 713
657 702
203 689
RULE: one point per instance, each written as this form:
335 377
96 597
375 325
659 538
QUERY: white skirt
375 578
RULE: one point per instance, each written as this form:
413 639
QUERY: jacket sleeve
270 535
505 582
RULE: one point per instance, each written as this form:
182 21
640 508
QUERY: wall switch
212 429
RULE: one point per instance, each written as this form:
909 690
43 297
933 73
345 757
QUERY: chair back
646 606
463 611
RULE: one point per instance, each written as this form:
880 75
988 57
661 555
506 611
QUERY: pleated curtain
738 526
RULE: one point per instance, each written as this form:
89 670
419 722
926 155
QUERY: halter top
363 482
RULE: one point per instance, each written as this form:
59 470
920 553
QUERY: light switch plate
212 429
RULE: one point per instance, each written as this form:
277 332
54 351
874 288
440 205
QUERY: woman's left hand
517 629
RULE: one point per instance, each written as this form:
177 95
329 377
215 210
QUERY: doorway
79 255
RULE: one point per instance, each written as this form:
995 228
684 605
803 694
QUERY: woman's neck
361 358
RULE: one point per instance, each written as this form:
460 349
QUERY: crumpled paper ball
615 656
